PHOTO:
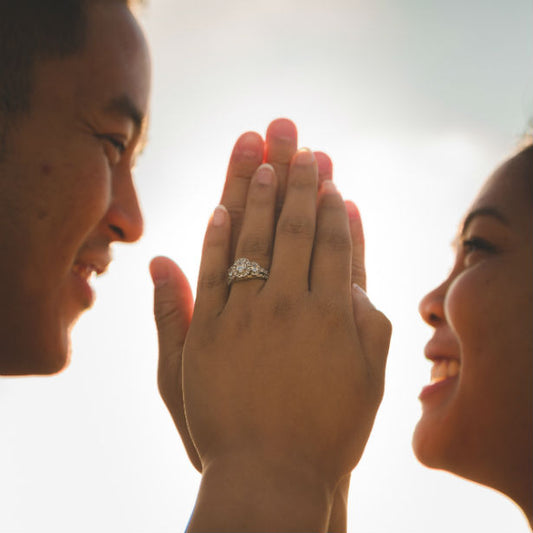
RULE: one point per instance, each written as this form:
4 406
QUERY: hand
173 301
282 378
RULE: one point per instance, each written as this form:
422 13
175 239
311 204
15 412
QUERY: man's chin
35 365
33 354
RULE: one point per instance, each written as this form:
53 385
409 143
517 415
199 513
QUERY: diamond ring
243 269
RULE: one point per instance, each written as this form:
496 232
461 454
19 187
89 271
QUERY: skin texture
66 186
266 467
479 424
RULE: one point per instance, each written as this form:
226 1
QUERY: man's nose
124 217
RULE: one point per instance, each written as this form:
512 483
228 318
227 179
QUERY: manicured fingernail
328 186
304 156
353 211
265 174
358 288
361 292
219 215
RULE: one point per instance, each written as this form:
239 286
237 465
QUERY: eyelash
119 145
475 244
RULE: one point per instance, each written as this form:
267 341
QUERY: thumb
173 306
374 330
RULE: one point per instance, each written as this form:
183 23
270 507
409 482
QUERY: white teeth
443 369
85 271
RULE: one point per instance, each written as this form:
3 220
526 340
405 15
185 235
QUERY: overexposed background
416 102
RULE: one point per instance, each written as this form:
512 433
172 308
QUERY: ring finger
255 240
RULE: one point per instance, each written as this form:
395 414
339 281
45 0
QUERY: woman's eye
475 244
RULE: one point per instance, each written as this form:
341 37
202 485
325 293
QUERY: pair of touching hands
273 384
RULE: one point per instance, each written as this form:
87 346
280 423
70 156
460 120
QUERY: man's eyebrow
123 105
486 212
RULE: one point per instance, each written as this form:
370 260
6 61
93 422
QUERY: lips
88 265
443 351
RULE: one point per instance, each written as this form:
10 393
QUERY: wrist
241 493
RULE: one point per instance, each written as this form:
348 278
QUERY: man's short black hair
30 31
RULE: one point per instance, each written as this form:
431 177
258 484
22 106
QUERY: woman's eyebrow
483 212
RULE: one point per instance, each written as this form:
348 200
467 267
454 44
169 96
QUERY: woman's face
477 415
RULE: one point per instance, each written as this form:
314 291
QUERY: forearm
256 496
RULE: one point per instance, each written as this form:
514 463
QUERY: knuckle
334 240
282 307
256 245
297 226
165 310
212 280
331 312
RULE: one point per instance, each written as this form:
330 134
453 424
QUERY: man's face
66 187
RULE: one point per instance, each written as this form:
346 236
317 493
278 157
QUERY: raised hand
173 301
282 378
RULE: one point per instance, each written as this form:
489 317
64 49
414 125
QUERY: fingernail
159 272
282 129
265 174
359 288
249 145
304 156
353 211
361 292
328 186
219 215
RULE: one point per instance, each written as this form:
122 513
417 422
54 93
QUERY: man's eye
114 147
119 145
116 143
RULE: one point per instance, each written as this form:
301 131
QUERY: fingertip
249 140
325 166
159 270
352 210
163 270
328 187
265 174
304 156
219 216
249 147
282 128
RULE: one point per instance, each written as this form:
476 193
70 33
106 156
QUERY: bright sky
416 102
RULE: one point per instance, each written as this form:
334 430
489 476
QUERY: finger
295 231
358 245
325 167
212 288
281 145
247 155
332 252
374 330
255 241
173 304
